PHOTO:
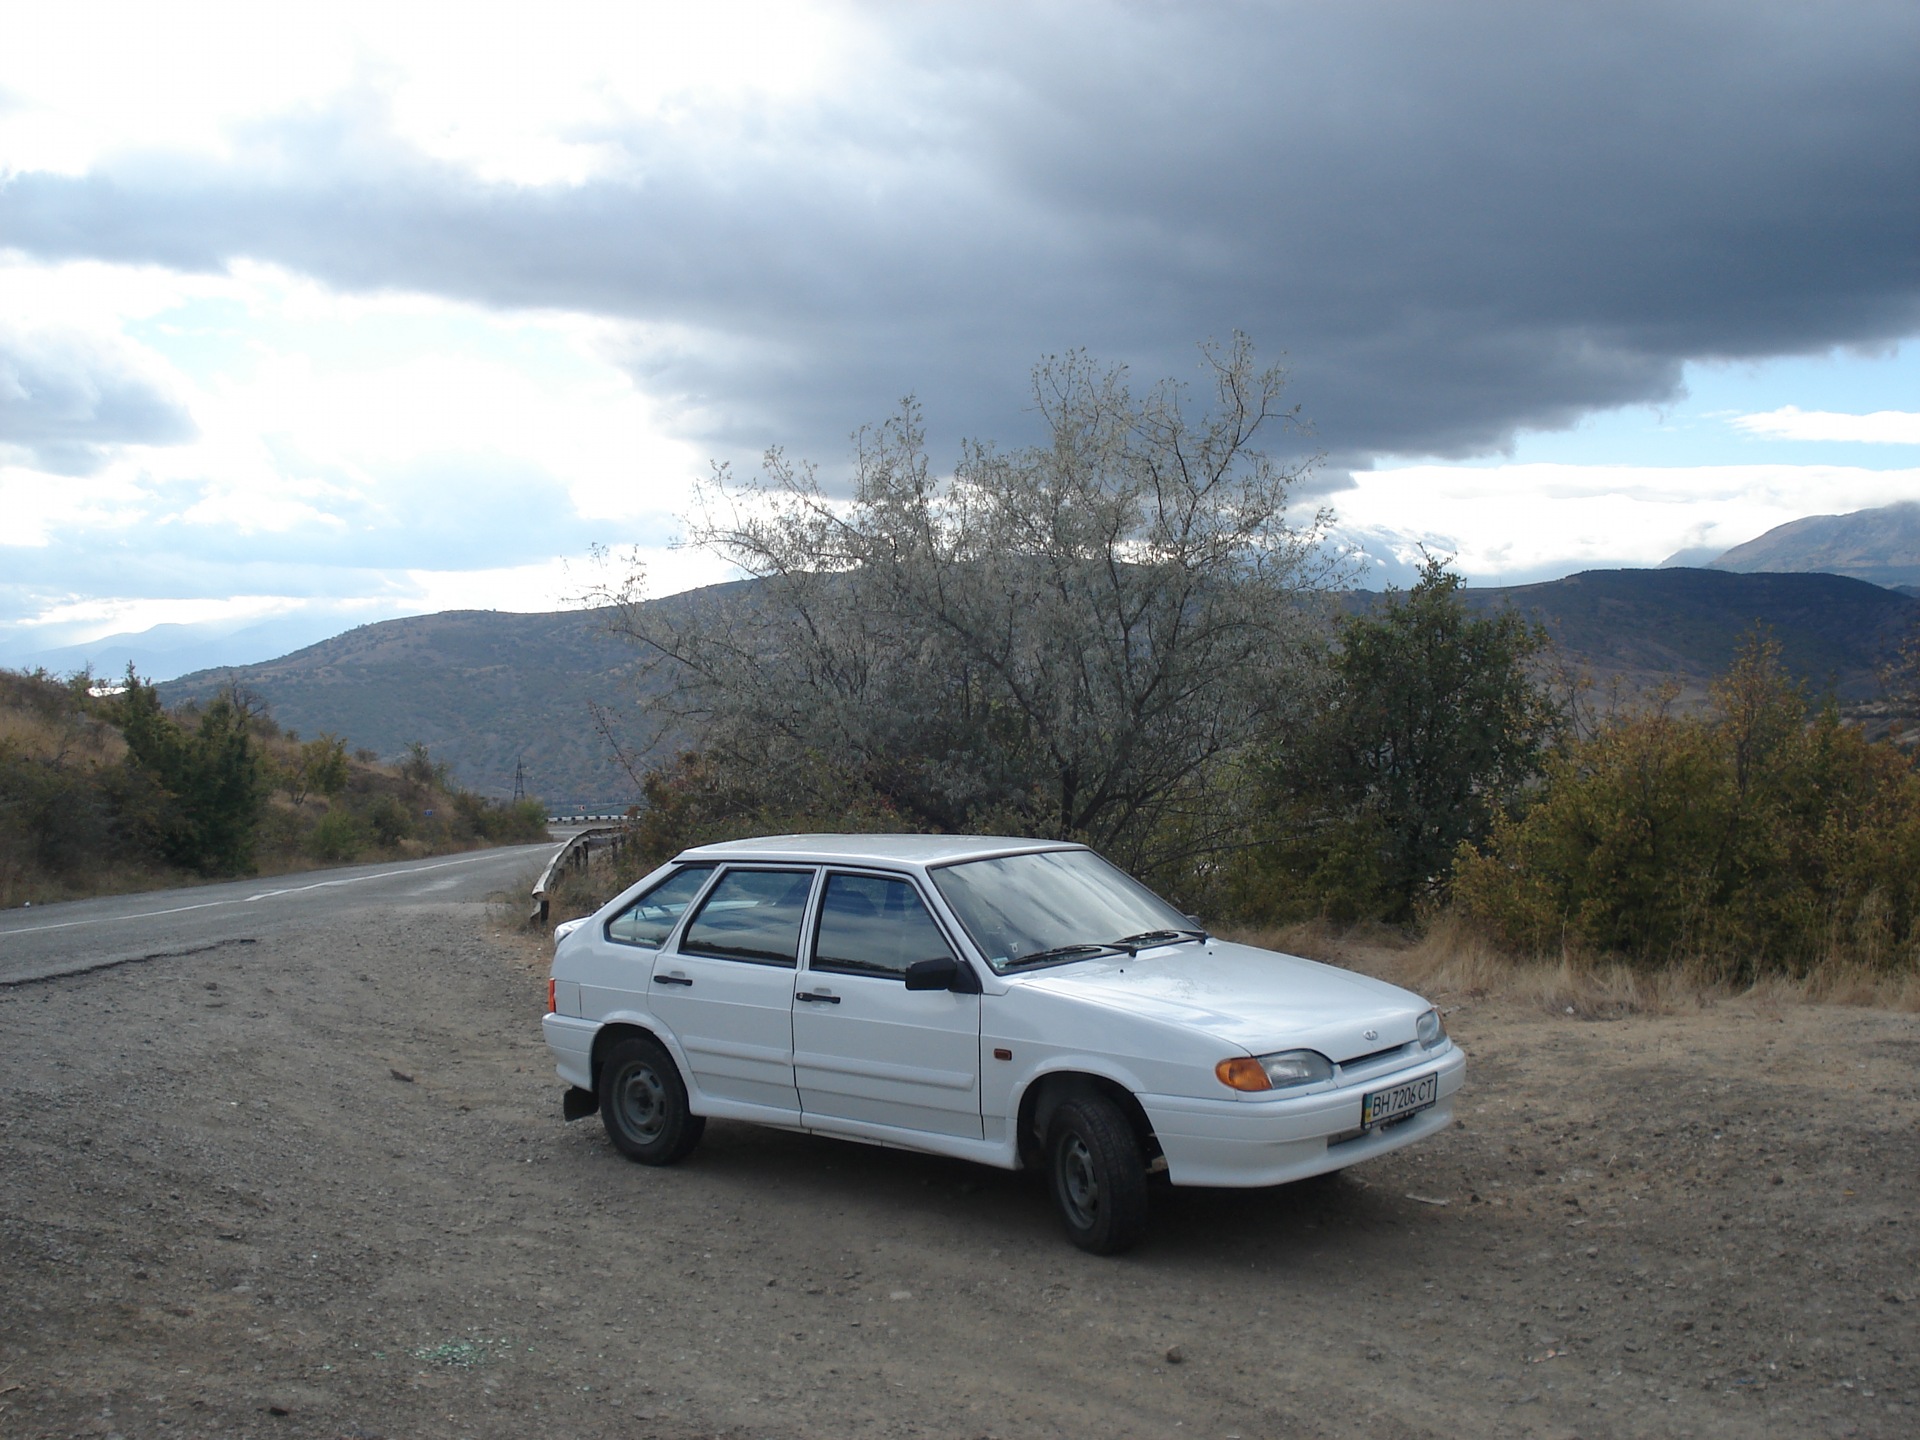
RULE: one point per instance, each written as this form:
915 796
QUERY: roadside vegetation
104 792
1124 635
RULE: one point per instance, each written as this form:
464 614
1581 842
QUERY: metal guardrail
577 852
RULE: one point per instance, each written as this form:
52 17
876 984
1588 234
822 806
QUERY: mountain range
1880 545
486 690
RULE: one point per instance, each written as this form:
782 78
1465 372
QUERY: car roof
870 849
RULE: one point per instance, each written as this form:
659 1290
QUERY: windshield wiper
1147 939
1063 952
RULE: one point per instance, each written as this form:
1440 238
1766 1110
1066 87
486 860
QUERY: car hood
1258 999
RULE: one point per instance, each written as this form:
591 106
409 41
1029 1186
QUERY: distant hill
1642 627
480 687
164 651
1881 546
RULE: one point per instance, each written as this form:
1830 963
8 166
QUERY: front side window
651 918
751 915
870 925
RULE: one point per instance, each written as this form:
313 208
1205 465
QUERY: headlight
1430 1029
1274 1072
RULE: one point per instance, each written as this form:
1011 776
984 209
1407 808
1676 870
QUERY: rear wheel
1098 1175
643 1104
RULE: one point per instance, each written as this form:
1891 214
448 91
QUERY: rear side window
874 926
651 918
751 915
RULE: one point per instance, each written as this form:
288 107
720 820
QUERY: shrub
1751 838
1429 724
339 835
211 775
388 819
695 801
522 822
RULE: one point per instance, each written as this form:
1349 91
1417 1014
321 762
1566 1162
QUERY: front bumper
1243 1144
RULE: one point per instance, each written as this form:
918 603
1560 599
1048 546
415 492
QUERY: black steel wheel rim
1079 1185
642 1103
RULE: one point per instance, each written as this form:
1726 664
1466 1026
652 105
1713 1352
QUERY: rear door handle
671 980
819 997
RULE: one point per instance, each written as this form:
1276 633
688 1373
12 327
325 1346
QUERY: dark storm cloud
1457 220
63 399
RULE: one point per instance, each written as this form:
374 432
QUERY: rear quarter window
651 918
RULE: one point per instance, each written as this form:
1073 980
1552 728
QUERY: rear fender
614 1031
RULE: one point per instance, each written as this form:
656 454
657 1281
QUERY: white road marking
249 899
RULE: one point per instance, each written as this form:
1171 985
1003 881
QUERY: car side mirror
943 972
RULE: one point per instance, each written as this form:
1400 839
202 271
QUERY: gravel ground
318 1185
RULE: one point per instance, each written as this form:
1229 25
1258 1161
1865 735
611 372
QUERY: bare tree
1075 639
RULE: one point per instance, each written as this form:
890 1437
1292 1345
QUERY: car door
617 974
865 1047
725 987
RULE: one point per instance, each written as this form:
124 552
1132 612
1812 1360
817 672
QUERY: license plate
1397 1102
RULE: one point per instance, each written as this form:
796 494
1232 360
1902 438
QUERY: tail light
551 1007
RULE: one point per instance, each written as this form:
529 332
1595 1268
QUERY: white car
1015 1002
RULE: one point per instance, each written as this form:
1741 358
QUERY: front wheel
1098 1175
643 1103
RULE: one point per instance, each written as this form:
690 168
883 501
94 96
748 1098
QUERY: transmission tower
519 780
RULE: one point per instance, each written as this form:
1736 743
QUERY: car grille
1380 1061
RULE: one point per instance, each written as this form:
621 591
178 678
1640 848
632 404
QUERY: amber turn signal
1243 1074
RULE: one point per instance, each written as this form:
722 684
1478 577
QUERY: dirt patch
320 1186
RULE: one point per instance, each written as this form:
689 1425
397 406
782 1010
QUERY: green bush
103 793
522 822
1752 839
694 801
1429 724
210 773
388 819
338 836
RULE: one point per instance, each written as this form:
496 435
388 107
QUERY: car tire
1097 1174
643 1104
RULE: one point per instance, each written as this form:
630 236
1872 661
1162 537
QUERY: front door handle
671 980
819 997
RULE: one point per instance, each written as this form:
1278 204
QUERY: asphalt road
42 941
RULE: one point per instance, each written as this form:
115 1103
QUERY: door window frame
807 911
827 872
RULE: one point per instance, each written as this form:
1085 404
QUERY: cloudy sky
317 314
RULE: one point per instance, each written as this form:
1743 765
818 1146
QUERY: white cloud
304 397
368 455
1506 521
1790 422
560 582
82 620
38 506
494 88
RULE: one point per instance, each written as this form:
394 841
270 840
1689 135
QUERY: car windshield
1054 906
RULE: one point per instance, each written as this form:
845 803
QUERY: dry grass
40 737
1451 963
1850 984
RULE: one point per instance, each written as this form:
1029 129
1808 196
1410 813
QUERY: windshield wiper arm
1146 939
1064 952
